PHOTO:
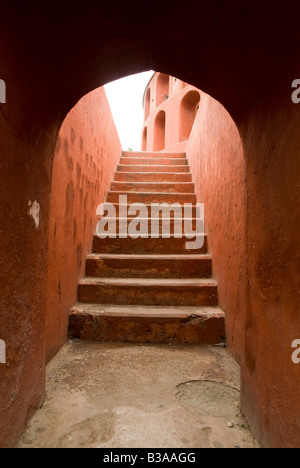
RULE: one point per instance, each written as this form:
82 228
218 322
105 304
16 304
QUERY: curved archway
147 103
160 131
144 142
162 88
40 68
188 110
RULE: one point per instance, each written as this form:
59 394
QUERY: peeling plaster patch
2 352
34 212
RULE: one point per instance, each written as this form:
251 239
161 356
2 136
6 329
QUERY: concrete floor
140 396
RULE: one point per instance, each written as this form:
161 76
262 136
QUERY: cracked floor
104 395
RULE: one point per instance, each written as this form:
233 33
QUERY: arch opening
144 142
188 111
160 131
147 103
163 88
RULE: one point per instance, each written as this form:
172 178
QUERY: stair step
149 266
152 177
152 197
154 161
152 155
165 187
154 224
140 291
146 246
176 325
150 168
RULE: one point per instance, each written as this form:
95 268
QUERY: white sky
125 97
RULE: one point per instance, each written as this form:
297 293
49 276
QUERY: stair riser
152 177
148 268
182 187
148 198
147 330
148 295
159 224
146 168
145 246
154 161
143 155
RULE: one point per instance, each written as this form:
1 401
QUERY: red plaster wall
215 155
87 152
54 55
270 380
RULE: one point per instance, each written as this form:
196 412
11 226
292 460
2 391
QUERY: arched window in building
147 103
188 111
144 143
162 88
160 131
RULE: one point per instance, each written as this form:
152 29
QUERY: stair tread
161 173
152 183
148 153
176 166
148 311
184 236
160 194
149 257
144 282
164 158
151 193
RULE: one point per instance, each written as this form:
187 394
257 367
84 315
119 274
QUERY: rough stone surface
144 324
126 396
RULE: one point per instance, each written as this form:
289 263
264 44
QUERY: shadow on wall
215 153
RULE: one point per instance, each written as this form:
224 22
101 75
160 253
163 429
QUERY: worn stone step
152 197
140 291
154 161
154 225
142 246
152 155
165 187
152 177
150 168
146 324
149 266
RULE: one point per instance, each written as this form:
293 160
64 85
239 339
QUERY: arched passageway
47 74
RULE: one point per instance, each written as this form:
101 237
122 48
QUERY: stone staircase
149 289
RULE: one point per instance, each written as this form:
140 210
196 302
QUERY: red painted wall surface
270 379
216 159
87 152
